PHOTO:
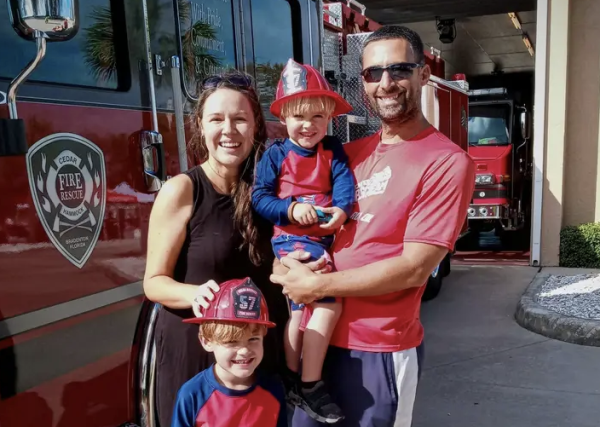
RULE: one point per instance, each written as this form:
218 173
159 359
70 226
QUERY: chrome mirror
55 20
39 20
524 121
153 158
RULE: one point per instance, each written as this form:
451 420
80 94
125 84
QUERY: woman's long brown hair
246 220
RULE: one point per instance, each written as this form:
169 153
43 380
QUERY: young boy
230 393
298 180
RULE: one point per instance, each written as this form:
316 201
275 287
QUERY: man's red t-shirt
414 191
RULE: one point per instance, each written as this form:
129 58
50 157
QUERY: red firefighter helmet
238 300
303 80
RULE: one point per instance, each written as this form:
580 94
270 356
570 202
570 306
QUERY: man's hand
304 214
319 266
300 284
338 219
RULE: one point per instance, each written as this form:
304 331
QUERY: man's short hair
392 32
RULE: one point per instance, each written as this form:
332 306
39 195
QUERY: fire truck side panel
460 114
445 107
445 122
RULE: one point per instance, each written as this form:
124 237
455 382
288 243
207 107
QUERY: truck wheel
445 266
434 284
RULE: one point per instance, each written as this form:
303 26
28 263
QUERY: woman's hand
204 294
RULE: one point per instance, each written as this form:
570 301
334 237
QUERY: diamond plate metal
332 51
361 121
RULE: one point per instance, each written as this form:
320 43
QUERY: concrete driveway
483 370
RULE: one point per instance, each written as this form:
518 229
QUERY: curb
533 316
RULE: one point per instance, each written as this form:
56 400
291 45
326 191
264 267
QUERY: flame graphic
40 183
46 204
43 163
97 179
90 161
96 200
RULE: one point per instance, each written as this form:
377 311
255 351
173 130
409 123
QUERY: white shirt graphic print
375 185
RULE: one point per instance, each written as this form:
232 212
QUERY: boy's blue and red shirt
203 401
287 171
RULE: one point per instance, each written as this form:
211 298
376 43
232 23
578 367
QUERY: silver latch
159 64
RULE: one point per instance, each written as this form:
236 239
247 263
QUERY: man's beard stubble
398 115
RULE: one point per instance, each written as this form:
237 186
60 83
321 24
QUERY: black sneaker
291 383
319 405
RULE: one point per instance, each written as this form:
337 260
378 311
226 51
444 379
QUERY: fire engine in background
499 134
105 93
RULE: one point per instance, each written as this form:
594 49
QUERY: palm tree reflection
99 42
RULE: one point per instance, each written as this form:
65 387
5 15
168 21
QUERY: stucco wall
581 200
556 130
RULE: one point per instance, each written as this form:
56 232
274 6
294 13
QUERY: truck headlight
484 179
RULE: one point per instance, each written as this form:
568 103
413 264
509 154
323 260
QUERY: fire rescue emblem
294 78
464 121
67 178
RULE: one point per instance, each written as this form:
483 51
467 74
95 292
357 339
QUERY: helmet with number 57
237 300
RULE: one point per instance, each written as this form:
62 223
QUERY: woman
202 232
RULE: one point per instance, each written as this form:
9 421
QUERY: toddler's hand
304 214
338 219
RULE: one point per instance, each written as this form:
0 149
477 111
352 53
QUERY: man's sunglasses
399 71
235 80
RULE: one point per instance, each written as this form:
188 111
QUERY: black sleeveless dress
211 251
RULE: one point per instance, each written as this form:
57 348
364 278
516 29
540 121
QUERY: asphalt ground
482 369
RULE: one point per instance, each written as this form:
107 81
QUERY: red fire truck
95 99
498 142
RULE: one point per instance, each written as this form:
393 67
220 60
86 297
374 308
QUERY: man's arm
434 223
318 266
264 192
409 270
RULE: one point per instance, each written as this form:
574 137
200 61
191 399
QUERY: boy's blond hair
223 331
307 105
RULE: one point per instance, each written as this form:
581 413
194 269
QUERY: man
413 190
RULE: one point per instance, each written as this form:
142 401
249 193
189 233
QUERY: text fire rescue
71 185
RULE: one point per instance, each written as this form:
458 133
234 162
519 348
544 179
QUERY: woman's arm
167 230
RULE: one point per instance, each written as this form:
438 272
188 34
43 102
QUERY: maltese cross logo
67 178
294 78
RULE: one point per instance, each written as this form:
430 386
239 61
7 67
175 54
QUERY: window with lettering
207 39
88 59
273 45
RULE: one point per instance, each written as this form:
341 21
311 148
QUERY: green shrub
580 246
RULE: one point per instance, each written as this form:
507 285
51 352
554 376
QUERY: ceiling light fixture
528 44
515 20
517 23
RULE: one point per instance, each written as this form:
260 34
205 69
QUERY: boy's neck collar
220 385
302 150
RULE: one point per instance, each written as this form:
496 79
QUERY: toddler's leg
316 338
293 341
292 344
315 398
